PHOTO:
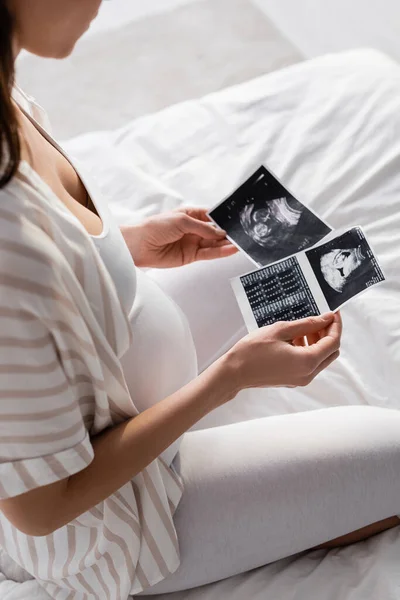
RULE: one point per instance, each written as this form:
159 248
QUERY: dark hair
10 149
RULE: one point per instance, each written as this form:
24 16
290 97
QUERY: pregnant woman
105 488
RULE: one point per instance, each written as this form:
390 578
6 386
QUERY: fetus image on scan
338 265
270 224
344 267
266 221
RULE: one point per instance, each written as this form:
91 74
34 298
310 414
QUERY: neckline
33 173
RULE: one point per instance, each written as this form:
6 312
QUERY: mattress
330 129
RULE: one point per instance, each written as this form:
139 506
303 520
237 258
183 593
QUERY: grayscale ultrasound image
266 221
344 267
279 292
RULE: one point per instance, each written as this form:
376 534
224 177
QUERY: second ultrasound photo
344 267
266 221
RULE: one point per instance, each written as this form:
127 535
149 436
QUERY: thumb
207 231
302 327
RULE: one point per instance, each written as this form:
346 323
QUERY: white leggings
261 490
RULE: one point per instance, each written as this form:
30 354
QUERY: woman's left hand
176 238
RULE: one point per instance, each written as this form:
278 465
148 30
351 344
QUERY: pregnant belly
162 357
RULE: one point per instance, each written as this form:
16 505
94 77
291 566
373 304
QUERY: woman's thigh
204 293
262 490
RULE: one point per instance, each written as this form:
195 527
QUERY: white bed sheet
330 129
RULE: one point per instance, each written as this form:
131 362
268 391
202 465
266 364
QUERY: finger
214 243
195 212
313 338
328 344
299 341
203 230
325 363
335 329
218 252
302 327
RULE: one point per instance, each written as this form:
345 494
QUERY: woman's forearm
121 452
125 450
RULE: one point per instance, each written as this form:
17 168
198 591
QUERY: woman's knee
363 423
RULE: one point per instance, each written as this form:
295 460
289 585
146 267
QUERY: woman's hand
277 356
176 238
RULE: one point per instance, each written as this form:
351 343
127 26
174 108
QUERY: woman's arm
264 358
120 453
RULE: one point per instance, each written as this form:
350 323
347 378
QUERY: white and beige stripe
60 382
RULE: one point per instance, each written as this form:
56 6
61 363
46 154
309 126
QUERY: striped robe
62 333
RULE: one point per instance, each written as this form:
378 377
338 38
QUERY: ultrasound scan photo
266 222
344 267
278 292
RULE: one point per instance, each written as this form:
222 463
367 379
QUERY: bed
330 129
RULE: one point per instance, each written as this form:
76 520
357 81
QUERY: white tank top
162 358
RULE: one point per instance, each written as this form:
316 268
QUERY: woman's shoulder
18 208
28 255
31 106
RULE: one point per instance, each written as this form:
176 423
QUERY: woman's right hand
276 355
